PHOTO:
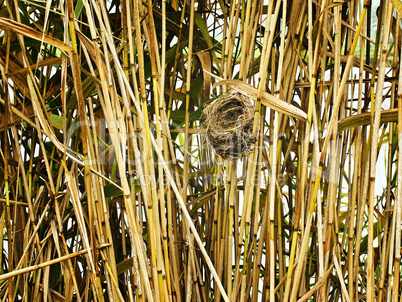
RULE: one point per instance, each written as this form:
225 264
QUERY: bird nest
228 122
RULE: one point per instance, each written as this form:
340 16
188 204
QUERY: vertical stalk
373 153
187 158
188 87
7 191
231 226
398 202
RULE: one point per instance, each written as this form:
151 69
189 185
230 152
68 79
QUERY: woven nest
228 122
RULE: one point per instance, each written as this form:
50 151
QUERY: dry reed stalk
287 221
373 152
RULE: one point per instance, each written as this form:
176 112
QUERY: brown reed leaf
8 24
266 99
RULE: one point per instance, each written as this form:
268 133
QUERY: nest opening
228 122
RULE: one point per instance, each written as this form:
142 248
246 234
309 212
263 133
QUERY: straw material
228 122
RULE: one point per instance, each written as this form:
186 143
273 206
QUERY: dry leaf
398 6
8 24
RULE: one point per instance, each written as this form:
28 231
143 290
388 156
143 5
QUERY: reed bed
112 191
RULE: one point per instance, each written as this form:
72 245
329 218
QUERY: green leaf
196 88
203 29
199 21
111 190
78 8
56 121
179 115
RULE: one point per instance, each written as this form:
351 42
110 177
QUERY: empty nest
228 122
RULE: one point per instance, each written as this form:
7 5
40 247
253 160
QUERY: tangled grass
228 121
